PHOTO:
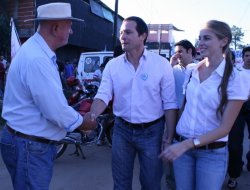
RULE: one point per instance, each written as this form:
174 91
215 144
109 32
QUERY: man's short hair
245 50
187 45
141 26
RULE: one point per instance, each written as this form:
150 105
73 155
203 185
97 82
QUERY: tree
237 35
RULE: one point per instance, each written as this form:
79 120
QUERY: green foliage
237 36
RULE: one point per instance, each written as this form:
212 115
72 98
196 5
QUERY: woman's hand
172 152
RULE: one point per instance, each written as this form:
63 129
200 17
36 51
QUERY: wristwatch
196 142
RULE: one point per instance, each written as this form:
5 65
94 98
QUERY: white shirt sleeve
46 92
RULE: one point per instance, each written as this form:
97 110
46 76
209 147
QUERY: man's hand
165 144
174 60
89 122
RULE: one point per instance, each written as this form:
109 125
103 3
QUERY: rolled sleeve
46 92
105 90
168 89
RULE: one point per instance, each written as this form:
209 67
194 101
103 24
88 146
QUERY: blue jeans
29 163
146 142
201 169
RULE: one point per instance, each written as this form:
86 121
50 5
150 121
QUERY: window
101 11
91 64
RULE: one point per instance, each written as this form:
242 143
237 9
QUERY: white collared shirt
246 78
179 76
199 115
140 95
34 102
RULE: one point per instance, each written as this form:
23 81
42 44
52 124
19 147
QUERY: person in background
68 69
75 63
214 96
68 72
3 61
141 84
184 55
36 112
233 58
60 65
236 135
97 76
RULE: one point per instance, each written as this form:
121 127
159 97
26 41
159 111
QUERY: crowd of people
67 68
185 112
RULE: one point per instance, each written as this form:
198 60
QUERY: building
95 34
160 38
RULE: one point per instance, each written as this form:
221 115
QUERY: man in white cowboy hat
36 112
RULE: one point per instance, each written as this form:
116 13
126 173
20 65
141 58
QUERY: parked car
89 62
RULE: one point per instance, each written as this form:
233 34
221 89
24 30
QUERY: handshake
89 122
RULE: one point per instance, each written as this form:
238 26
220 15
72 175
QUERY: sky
188 15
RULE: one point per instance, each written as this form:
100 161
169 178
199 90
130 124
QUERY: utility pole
160 36
115 25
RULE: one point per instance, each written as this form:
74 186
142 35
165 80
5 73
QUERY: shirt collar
144 55
39 39
220 69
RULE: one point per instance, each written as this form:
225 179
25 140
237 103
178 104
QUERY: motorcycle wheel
60 149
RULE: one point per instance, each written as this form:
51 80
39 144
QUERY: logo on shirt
144 76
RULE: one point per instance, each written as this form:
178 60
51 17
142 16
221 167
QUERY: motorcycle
79 138
81 101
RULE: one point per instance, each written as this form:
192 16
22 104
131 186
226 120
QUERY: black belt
214 145
140 125
30 137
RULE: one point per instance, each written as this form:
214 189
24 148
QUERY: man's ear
54 29
144 35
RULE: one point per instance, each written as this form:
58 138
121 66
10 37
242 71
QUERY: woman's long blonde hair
222 30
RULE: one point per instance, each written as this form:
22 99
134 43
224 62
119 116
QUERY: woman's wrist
190 144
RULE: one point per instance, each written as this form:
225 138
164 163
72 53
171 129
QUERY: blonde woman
214 96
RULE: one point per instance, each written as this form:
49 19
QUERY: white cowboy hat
54 11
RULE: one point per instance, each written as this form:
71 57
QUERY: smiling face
210 44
